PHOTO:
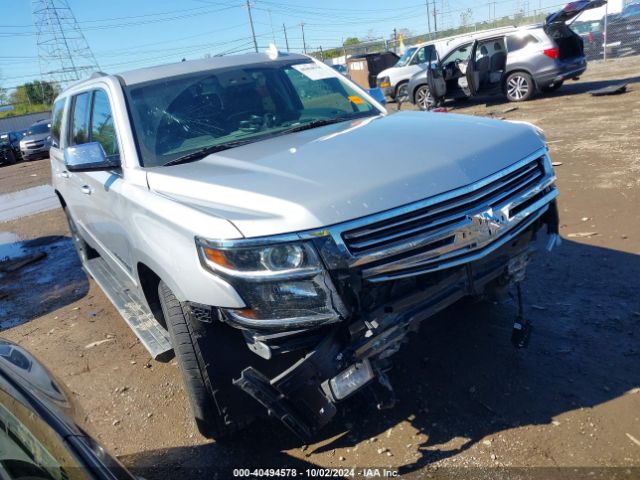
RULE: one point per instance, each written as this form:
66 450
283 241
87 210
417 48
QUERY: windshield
175 117
406 56
38 129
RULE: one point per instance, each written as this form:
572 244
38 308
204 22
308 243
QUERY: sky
127 34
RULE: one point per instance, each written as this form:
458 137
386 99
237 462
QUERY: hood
319 177
386 72
573 9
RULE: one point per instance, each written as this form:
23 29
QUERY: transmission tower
63 52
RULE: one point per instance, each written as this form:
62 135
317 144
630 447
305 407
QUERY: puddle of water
27 202
10 246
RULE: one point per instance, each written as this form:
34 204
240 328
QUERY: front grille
442 216
33 145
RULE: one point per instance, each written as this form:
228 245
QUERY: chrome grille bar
449 229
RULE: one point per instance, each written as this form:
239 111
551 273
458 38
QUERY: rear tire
552 88
519 87
197 383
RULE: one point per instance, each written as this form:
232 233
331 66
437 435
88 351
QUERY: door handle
64 174
86 189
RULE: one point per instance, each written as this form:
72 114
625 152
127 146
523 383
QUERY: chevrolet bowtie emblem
487 223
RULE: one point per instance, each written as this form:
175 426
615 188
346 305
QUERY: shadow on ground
43 286
460 378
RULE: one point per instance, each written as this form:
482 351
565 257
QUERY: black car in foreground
40 433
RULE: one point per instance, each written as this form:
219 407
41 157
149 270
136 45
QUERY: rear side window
102 126
518 42
80 119
56 123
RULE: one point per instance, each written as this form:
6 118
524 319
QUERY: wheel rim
403 91
424 98
517 87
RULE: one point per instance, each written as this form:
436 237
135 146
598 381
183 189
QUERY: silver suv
243 213
515 63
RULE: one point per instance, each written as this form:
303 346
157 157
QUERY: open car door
473 79
573 9
435 78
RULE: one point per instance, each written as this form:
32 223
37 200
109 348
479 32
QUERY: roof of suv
141 75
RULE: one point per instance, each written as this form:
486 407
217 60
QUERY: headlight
269 262
384 82
284 285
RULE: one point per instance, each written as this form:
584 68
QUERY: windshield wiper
203 152
323 122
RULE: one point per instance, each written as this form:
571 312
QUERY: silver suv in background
230 211
394 80
517 64
37 141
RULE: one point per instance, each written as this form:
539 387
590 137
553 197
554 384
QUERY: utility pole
606 32
304 43
253 32
428 19
286 39
435 19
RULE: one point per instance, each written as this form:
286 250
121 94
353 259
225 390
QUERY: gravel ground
469 404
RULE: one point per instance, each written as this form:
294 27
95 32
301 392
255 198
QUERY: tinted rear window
517 42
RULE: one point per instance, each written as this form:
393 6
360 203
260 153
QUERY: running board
152 335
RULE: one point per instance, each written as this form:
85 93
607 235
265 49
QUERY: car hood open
327 175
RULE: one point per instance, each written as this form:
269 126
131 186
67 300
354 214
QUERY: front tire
519 87
84 251
423 98
207 412
11 157
402 92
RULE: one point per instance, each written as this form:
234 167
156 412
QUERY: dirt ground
569 405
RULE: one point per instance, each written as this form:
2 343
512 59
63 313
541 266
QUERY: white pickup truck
266 220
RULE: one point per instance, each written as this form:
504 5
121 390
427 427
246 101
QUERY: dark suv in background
9 148
37 142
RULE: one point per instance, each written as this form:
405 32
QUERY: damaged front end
338 303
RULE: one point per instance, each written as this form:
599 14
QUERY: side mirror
89 156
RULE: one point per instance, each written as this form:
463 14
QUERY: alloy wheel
518 87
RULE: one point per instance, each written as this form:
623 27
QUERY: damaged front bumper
351 356
386 274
